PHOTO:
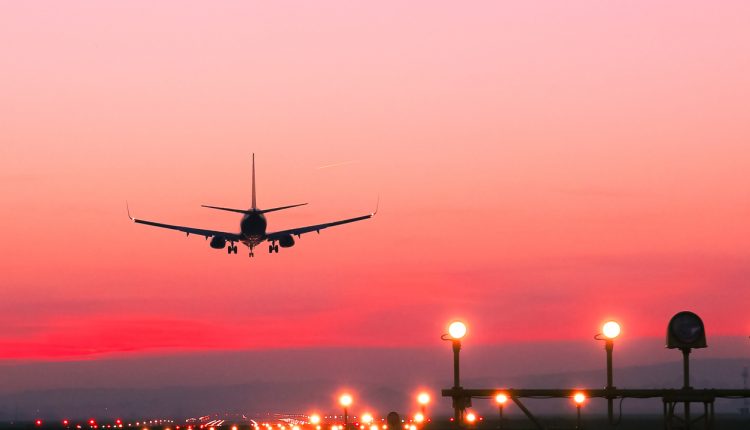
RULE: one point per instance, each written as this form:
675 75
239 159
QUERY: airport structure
685 332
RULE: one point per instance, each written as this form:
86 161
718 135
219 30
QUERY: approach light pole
578 398
345 401
610 330
423 399
456 332
501 399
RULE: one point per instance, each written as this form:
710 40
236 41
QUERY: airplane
252 227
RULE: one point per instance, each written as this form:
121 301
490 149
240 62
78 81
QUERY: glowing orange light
234 427
423 398
418 417
315 419
367 418
579 398
345 400
611 329
457 330
471 417
501 398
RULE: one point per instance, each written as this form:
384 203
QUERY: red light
92 422
65 422
38 423
118 421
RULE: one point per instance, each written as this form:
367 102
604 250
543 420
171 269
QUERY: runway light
419 417
412 427
611 329
38 423
66 422
234 427
471 417
345 400
457 330
366 418
315 419
501 398
579 398
423 398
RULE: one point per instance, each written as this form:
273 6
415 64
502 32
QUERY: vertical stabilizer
254 206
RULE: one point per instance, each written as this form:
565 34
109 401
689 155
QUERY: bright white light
345 400
501 398
423 398
315 419
418 417
579 398
457 330
367 418
471 417
611 329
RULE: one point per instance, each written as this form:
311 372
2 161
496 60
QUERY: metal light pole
579 398
610 330
501 399
346 400
456 331
423 399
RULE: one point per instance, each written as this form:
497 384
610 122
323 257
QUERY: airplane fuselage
253 226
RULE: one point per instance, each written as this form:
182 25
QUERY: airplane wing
189 230
302 230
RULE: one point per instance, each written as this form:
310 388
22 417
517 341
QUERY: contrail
343 163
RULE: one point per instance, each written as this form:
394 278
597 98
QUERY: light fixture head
345 400
686 331
611 329
457 330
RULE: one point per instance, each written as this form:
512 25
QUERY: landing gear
232 248
276 249
251 252
273 248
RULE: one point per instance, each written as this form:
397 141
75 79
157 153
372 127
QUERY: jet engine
218 242
286 241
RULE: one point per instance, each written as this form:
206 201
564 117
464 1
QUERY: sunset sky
541 167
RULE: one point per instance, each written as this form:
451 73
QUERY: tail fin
254 205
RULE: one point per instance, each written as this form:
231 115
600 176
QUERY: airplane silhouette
252 227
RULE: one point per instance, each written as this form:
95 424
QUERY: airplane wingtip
127 207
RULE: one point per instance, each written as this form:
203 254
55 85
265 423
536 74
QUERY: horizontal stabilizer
253 211
239 211
280 208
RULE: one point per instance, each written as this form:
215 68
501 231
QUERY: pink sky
541 167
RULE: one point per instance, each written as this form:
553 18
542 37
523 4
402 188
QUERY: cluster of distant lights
118 424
